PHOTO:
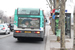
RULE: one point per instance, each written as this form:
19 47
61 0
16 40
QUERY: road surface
8 42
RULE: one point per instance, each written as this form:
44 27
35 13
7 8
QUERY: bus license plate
27 31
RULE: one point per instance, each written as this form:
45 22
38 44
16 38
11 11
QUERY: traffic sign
53 16
65 10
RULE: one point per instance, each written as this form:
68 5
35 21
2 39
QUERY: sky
9 6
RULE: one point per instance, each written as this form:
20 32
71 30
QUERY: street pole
1 19
62 24
74 31
10 22
10 19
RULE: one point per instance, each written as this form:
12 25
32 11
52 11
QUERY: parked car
4 29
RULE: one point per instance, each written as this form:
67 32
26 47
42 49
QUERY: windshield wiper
23 28
32 28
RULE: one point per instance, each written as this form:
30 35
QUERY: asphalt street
8 42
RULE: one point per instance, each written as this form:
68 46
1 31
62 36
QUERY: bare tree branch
49 4
52 3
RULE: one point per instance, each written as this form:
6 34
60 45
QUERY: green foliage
57 20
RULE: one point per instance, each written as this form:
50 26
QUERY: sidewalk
55 45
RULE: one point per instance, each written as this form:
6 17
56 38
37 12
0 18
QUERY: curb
48 41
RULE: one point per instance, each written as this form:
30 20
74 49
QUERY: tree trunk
74 31
53 26
59 25
51 15
62 24
57 8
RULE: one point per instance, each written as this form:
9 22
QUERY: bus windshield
28 22
29 11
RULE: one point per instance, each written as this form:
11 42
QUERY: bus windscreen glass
29 11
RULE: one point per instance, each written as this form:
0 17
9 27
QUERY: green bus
29 23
